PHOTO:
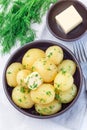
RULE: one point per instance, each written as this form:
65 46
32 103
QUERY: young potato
63 81
21 97
46 69
31 56
55 54
48 109
11 73
21 75
44 94
34 80
67 65
69 95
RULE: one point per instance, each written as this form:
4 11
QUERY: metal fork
81 55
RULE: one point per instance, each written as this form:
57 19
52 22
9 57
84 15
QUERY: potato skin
67 65
44 94
63 81
31 56
21 97
69 95
48 109
11 73
55 54
21 75
46 69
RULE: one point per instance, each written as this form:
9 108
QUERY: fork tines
80 51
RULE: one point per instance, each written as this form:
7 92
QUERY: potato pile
44 79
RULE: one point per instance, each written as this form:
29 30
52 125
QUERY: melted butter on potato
21 97
34 80
63 81
11 73
31 56
67 65
21 75
55 54
46 69
48 109
44 94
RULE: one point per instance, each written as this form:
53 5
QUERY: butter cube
68 19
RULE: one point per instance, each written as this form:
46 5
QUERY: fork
81 54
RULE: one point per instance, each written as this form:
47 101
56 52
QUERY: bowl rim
48 116
58 37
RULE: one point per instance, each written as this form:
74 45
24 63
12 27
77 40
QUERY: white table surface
11 119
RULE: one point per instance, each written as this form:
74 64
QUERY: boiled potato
21 75
46 69
11 73
55 54
67 65
63 81
44 94
48 109
21 97
34 80
69 95
31 56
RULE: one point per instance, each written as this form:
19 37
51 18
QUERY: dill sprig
15 24
5 3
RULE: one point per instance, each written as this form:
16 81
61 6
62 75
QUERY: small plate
58 8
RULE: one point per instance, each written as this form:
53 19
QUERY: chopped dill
50 54
20 100
22 89
57 96
9 72
48 93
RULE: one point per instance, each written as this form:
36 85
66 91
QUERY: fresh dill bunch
5 4
16 23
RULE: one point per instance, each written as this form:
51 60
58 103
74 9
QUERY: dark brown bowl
58 8
17 57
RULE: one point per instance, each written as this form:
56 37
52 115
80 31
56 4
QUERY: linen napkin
74 117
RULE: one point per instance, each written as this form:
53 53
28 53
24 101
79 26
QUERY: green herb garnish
9 72
48 93
21 81
57 96
48 69
44 62
20 100
51 107
33 86
58 85
32 68
24 66
42 100
29 90
22 89
50 54
63 70
36 75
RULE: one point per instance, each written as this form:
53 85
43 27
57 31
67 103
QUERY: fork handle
85 82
